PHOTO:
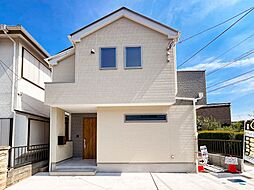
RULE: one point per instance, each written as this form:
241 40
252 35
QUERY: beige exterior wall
120 142
65 70
57 128
154 83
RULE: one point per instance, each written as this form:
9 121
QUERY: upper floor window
33 70
133 57
108 58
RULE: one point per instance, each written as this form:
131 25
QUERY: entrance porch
73 143
75 166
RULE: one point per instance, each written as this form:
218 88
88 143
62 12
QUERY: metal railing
224 147
24 155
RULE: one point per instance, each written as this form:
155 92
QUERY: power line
216 84
239 58
233 47
34 109
231 84
215 38
8 67
6 72
210 28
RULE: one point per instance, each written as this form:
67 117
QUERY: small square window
108 58
133 57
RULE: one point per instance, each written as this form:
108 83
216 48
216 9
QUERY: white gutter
53 60
13 90
194 100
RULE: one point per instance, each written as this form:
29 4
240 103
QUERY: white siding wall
5 129
32 99
39 130
154 83
21 130
6 55
119 142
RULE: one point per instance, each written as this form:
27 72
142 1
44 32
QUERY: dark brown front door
89 133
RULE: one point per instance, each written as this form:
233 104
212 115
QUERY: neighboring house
24 119
190 84
221 112
118 84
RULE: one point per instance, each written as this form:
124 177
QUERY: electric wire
230 84
210 28
214 39
239 58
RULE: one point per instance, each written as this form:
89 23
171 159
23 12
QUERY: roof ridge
123 8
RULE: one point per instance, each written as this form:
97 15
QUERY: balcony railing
224 147
24 155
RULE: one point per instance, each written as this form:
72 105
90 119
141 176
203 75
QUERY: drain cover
235 180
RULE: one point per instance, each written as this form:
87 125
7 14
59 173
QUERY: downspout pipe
5 30
194 101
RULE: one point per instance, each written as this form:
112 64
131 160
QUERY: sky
50 22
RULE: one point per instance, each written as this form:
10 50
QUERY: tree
207 123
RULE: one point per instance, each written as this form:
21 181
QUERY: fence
224 147
24 155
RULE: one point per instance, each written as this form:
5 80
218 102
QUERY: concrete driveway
132 181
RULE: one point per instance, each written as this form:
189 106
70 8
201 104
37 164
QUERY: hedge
218 134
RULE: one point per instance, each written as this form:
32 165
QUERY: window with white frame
108 58
33 70
133 57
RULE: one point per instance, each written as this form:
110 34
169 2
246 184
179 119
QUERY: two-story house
24 119
118 85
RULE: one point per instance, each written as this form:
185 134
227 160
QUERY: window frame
146 121
125 57
107 68
22 68
67 127
29 129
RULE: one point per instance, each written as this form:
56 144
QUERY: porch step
82 167
74 172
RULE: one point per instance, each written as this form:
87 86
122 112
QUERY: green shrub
220 134
207 123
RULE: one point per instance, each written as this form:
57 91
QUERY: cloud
193 9
241 116
207 7
210 66
236 91
246 86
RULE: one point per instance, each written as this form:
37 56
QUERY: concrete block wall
219 160
3 166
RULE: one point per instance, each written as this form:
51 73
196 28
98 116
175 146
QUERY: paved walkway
132 181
